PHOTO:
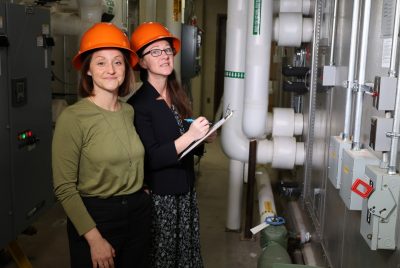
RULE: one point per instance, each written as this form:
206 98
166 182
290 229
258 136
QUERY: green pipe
273 241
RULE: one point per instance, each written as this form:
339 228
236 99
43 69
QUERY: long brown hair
177 94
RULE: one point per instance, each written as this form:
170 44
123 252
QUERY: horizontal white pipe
291 29
298 6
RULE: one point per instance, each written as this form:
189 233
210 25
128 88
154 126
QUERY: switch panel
385 93
336 147
353 168
379 211
379 127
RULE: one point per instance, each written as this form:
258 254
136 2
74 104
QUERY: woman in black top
161 106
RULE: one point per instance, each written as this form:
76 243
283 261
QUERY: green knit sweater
95 153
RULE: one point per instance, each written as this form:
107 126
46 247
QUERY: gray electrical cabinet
190 55
25 118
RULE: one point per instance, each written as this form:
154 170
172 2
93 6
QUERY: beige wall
211 9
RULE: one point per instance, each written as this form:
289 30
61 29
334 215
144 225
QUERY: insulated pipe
258 56
395 40
174 25
352 66
361 76
90 12
266 203
292 6
234 143
235 190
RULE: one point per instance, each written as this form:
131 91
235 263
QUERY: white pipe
352 66
173 23
235 190
266 202
291 29
361 76
64 23
297 6
258 54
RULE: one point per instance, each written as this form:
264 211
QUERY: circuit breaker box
25 118
379 211
190 55
353 168
336 147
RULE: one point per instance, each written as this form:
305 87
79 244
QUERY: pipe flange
275 221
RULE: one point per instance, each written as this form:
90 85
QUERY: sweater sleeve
66 148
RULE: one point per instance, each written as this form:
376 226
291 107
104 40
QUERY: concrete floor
49 246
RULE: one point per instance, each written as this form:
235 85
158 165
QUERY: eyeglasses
157 52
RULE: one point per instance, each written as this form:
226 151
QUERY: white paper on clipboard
228 114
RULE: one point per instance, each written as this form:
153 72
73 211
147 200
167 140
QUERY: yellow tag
268 206
346 169
333 154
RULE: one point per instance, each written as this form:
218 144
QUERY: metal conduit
333 37
352 66
395 40
361 76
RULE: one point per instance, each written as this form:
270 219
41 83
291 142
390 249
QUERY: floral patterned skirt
175 230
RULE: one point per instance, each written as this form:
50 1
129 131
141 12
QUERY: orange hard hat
148 32
104 35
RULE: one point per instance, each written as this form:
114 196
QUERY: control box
353 168
385 93
379 211
336 147
379 127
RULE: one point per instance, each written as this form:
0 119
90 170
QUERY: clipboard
228 114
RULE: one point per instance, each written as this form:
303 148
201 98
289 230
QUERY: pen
190 120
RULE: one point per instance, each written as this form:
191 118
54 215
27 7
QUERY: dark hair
177 94
85 88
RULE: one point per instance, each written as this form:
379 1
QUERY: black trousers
125 222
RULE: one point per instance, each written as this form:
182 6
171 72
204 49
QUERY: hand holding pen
198 128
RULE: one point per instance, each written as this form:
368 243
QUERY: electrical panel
336 147
353 168
25 118
190 55
378 140
379 211
384 93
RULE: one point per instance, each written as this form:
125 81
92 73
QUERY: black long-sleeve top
158 129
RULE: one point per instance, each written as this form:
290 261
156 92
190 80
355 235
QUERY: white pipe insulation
291 29
65 23
258 54
266 202
233 215
286 123
297 6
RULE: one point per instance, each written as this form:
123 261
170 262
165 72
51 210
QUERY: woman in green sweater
98 158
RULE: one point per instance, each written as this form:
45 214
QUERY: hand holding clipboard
228 114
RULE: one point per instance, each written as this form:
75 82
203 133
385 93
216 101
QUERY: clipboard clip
228 112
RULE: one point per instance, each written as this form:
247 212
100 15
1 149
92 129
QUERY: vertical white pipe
361 76
173 23
395 40
352 66
258 54
235 190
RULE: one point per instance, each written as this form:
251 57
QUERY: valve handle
368 188
274 220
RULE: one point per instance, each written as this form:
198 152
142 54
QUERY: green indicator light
23 136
